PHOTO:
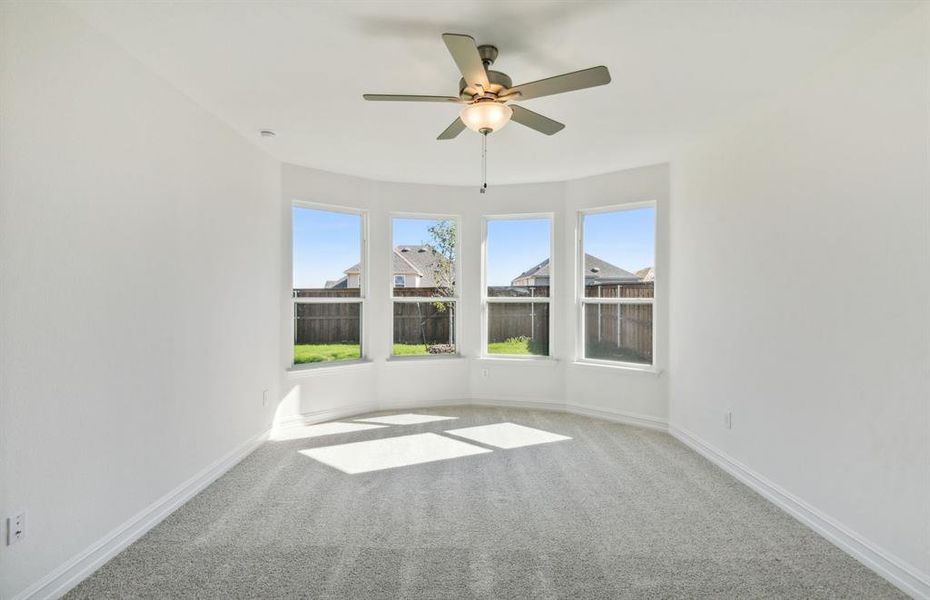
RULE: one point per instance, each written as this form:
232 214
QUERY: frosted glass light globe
486 115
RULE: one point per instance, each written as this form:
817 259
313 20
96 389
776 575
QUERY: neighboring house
596 272
337 283
412 266
647 274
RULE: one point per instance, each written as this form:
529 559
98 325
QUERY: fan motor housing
500 82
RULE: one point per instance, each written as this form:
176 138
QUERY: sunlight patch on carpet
390 453
507 435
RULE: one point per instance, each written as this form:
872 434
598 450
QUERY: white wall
382 383
139 317
801 293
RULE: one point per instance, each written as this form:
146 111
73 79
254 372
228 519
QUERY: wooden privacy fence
610 329
424 323
619 331
511 320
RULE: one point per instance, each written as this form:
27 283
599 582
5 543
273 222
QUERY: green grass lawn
520 345
410 350
314 353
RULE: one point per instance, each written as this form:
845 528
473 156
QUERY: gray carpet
615 512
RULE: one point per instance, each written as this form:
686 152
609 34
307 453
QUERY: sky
515 245
625 238
326 242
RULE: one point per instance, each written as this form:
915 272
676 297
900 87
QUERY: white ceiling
679 69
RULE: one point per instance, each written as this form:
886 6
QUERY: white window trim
362 284
487 300
581 301
455 298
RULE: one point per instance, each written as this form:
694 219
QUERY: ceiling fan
487 94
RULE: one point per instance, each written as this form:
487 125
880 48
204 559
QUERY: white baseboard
402 403
626 418
516 402
329 414
616 416
904 576
68 575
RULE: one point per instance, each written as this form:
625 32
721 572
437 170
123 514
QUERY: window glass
518 328
327 332
424 328
423 257
619 253
617 262
327 285
618 332
327 251
517 260
517 267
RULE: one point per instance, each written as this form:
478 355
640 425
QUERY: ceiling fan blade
535 120
464 52
452 130
569 82
409 98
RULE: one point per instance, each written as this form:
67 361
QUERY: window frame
487 300
581 300
363 282
456 298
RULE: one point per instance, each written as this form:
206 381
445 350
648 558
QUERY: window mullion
312 300
517 300
618 300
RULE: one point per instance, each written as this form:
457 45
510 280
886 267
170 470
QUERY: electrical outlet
484 373
15 529
728 419
265 395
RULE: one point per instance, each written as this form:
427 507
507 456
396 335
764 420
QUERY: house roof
647 274
400 264
337 283
594 268
419 260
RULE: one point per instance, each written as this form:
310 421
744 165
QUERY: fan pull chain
484 162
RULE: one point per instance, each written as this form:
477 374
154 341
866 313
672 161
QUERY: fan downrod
488 54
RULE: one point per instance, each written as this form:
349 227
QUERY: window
518 274
617 285
425 291
328 284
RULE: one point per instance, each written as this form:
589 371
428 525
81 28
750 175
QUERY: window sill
305 370
416 359
600 364
518 358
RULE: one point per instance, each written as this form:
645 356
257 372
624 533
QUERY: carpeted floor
613 512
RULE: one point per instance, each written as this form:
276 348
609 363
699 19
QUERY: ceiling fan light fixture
488 115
